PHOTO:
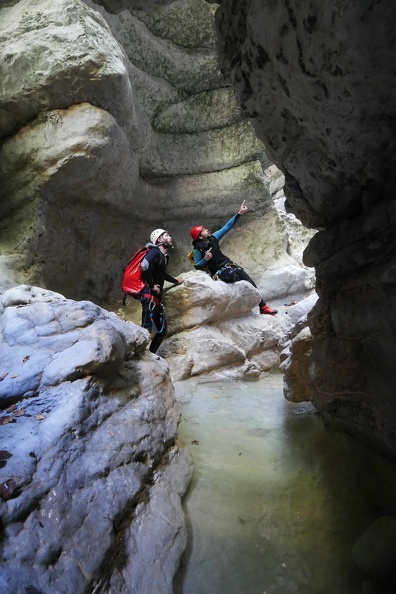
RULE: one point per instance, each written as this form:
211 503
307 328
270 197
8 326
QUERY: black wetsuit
218 259
153 269
217 265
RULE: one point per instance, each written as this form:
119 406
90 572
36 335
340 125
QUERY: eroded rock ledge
91 472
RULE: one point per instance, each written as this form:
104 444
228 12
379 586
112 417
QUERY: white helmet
156 234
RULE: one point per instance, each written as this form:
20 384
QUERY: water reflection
277 500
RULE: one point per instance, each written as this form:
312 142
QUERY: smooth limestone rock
295 367
187 70
260 247
51 170
210 192
200 299
65 161
56 54
214 332
67 152
91 473
317 82
207 151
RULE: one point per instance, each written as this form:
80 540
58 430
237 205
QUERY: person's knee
228 275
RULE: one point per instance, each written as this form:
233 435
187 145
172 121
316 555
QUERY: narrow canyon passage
277 500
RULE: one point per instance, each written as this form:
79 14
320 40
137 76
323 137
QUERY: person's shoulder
198 245
153 251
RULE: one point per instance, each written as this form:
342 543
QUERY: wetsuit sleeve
146 266
171 279
221 232
199 261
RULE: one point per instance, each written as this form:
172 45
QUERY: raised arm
221 232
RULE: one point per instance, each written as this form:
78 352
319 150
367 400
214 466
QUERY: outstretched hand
243 208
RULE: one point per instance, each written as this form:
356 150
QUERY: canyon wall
318 85
115 119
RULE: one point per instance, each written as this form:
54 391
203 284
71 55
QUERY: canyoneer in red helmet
208 256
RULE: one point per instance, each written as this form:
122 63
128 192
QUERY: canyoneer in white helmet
153 268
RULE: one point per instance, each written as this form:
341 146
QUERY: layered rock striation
318 85
114 120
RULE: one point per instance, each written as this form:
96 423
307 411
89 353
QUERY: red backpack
132 281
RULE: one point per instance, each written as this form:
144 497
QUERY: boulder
213 331
296 354
91 472
202 300
295 366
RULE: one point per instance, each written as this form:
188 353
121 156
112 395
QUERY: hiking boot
264 309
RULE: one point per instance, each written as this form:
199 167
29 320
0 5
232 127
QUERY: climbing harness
227 273
154 301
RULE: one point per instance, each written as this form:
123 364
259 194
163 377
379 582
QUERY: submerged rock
91 472
375 551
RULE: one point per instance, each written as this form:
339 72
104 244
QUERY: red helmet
196 231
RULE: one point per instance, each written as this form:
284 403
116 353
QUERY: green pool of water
277 499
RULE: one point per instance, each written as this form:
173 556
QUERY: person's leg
160 328
153 317
242 275
146 319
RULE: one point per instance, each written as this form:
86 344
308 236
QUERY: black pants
236 273
153 318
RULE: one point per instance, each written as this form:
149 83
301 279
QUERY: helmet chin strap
165 244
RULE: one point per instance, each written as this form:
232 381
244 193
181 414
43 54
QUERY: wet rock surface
91 473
